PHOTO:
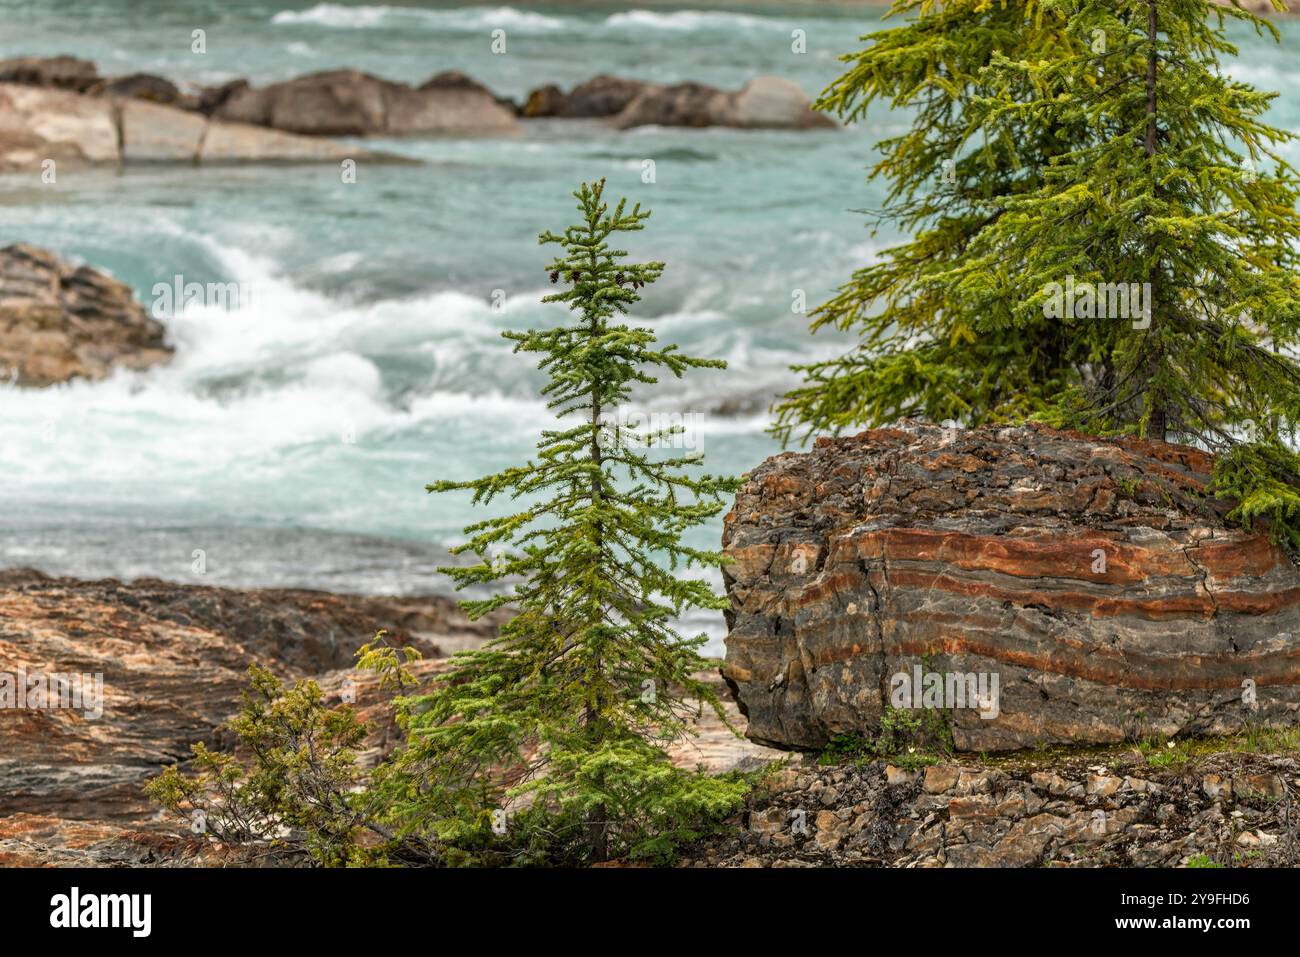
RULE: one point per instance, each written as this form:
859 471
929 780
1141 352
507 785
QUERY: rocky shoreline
61 110
174 657
174 660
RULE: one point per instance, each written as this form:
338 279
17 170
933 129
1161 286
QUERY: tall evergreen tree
1177 197
921 354
1160 187
572 707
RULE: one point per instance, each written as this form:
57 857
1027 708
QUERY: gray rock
601 96
243 143
57 72
766 102
49 124
351 103
148 87
159 134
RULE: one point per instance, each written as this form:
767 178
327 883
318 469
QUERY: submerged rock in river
351 103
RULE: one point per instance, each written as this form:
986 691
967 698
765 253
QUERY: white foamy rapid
369 17
691 20
254 385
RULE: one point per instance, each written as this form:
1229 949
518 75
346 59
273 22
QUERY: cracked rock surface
1096 580
1228 810
173 660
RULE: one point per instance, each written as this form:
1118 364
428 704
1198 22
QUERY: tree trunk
1157 420
597 825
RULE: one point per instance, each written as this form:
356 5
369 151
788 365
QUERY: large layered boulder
1029 586
60 322
351 103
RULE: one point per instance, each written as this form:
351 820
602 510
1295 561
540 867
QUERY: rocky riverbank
174 660
61 110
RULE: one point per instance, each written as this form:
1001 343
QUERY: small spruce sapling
565 718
